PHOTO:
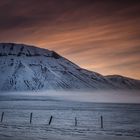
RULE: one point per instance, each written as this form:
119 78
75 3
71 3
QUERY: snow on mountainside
24 67
124 82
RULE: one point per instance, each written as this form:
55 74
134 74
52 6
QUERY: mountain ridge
26 67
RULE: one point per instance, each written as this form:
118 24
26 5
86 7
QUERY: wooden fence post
2 116
101 121
75 121
50 120
31 115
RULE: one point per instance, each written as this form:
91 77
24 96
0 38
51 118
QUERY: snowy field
120 121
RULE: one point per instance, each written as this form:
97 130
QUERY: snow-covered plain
121 121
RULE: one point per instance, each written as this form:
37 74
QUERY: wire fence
31 119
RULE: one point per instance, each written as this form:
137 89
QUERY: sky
98 35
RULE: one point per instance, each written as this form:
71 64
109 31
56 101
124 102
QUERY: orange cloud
100 36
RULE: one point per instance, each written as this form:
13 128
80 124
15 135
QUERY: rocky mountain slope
24 67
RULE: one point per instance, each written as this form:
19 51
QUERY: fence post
31 115
50 120
75 121
101 121
2 116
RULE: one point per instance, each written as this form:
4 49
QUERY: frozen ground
121 121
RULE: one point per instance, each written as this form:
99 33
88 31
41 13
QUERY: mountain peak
14 49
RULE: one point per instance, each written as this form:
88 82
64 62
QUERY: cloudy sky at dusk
99 35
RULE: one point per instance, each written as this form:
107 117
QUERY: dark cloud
17 13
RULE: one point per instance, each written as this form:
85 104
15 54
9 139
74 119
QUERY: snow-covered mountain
24 67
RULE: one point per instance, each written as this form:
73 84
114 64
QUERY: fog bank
92 96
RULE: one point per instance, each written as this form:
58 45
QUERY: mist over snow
108 96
